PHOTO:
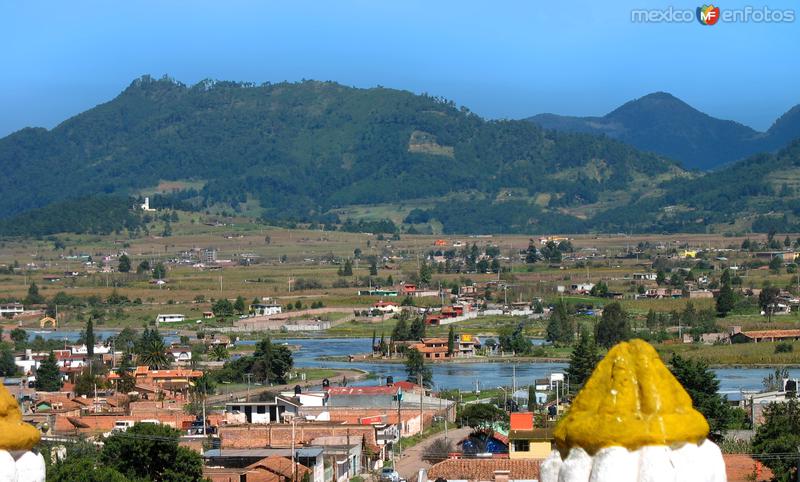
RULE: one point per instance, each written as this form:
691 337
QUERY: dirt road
411 461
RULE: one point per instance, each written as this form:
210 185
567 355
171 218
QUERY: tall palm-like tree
219 353
153 354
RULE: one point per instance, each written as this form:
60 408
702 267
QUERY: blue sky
502 59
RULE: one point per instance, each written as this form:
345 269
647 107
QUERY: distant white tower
146 205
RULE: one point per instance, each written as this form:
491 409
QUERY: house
208 255
266 309
581 288
712 338
9 310
283 468
172 382
760 336
378 292
170 318
260 412
485 470
386 307
525 441
432 348
84 350
180 353
467 346
207 315
343 453
645 276
237 465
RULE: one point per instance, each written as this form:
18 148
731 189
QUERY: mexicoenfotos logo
711 15
708 14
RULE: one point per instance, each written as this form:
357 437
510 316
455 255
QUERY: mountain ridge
299 150
303 152
662 123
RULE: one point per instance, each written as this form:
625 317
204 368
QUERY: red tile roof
484 469
740 468
521 421
177 373
772 333
281 466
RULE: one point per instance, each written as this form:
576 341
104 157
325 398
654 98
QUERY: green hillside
301 151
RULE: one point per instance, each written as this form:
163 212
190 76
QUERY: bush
784 348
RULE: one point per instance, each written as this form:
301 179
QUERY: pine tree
416 369
652 319
425 273
582 361
400 331
531 398
48 376
726 300
382 345
124 264
348 268
239 305
613 327
531 256
451 340
89 338
702 385
159 271
33 298
560 327
417 329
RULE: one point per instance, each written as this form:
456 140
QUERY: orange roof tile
772 333
280 466
484 469
740 468
521 421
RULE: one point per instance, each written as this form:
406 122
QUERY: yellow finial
631 400
14 433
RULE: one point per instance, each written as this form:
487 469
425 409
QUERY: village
217 371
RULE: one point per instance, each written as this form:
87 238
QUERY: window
522 446
261 409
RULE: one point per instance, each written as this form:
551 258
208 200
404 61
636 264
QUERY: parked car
388 474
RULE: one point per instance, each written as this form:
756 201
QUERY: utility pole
421 414
513 381
248 375
204 409
294 464
399 423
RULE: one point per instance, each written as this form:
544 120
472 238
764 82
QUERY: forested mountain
761 193
307 152
301 149
661 123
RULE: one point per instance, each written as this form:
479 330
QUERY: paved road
411 462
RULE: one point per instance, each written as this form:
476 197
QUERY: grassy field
738 354
282 258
